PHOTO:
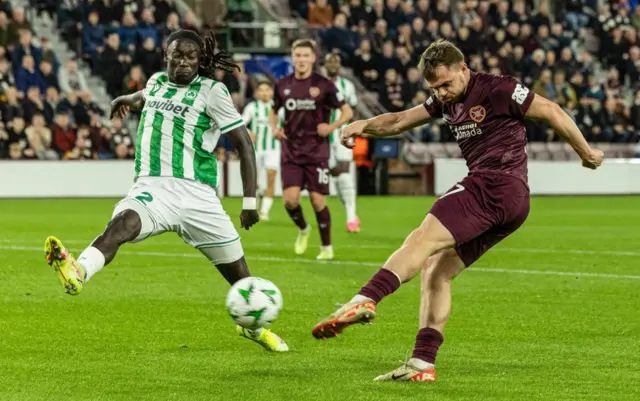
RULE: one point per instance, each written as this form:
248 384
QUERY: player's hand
324 129
279 134
593 160
350 131
248 218
118 108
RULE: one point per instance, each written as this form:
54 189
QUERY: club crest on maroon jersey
314 91
477 113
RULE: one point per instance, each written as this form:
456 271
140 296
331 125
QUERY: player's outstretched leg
267 198
323 217
428 239
233 272
346 189
435 307
74 274
292 204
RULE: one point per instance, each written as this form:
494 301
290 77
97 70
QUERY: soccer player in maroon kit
308 99
486 113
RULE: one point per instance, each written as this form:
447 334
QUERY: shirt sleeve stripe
231 126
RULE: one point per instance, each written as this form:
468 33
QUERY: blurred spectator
39 138
112 65
82 148
149 57
8 32
6 75
49 55
147 27
25 48
391 96
64 137
93 36
78 111
134 81
19 20
49 78
128 33
33 104
171 25
340 39
27 76
320 13
70 79
366 66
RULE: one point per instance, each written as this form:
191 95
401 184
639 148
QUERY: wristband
249 204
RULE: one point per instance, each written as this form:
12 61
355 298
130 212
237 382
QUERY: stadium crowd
584 56
554 52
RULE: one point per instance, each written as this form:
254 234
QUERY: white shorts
268 160
189 208
339 153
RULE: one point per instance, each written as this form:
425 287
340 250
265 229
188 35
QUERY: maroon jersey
307 103
488 124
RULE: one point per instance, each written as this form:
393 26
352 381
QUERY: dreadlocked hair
210 61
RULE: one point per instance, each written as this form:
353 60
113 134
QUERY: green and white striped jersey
180 127
256 117
348 92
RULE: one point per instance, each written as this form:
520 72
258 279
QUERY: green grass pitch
552 313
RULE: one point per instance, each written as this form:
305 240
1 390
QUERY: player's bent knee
318 201
124 227
221 255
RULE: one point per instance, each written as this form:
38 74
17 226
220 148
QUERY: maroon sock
297 217
324 225
383 283
427 343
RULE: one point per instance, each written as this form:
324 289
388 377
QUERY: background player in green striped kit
256 117
341 156
184 112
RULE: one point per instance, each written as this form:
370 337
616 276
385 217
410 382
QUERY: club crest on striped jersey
191 94
477 113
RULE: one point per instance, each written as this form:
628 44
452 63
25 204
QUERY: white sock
92 260
420 364
359 299
266 205
347 193
328 247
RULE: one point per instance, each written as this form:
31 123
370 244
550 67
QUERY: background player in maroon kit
308 99
486 113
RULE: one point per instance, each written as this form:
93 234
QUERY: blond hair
439 53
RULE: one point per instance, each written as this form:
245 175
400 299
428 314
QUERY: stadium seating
563 52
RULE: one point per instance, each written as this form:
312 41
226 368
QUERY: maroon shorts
482 210
312 177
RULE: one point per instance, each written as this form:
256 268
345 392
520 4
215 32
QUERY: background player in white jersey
184 111
341 156
256 117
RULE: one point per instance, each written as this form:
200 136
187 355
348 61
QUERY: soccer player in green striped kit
341 156
256 117
184 112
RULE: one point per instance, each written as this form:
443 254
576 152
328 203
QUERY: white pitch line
354 263
388 246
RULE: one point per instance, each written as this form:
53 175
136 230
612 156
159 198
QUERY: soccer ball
254 302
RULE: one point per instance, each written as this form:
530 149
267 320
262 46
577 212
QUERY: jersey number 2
323 175
144 197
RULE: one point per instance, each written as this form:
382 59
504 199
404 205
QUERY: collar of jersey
184 86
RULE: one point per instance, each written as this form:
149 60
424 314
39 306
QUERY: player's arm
388 124
544 109
221 109
247 116
346 114
241 140
277 130
122 104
